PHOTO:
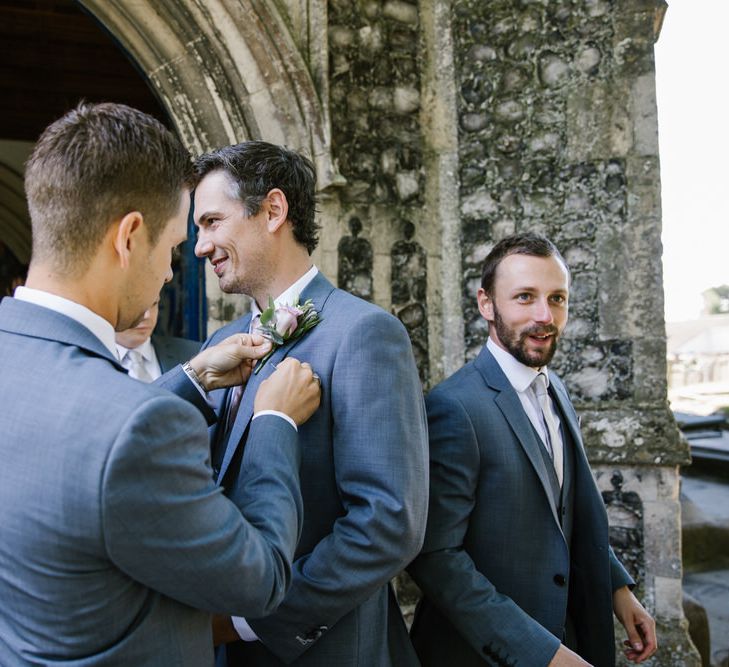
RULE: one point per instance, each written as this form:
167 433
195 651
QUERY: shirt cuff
277 414
243 629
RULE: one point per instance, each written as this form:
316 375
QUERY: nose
203 247
542 312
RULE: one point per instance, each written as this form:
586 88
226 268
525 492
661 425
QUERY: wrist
196 374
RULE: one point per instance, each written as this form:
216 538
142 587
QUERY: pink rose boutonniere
285 324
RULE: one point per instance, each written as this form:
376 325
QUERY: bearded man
516 568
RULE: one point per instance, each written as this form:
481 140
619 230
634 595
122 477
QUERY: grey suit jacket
171 350
497 572
113 535
364 480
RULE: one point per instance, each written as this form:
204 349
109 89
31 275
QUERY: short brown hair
94 165
527 243
256 168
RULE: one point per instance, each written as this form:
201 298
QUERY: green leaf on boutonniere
267 315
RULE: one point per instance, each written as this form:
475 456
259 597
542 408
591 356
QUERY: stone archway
230 70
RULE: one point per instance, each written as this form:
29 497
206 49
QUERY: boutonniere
285 324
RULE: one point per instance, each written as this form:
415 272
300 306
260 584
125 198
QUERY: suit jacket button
560 579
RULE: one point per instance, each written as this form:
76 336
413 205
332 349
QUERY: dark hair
257 167
94 165
528 243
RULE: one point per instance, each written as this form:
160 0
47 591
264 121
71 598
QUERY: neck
87 290
289 269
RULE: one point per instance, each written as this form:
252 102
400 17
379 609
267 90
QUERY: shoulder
185 345
458 386
350 311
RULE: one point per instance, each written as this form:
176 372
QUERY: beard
516 341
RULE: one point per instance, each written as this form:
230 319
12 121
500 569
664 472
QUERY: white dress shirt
521 378
286 298
96 324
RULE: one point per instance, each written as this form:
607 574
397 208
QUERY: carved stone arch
14 218
230 70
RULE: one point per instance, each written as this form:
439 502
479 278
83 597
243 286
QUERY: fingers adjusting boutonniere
284 324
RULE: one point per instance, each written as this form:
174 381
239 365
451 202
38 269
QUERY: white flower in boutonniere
285 324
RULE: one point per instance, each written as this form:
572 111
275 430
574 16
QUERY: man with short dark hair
364 470
112 533
516 568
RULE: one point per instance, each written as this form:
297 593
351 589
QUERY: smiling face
235 243
528 307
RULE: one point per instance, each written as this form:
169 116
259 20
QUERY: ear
485 305
127 236
278 210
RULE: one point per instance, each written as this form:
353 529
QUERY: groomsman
364 471
516 568
147 355
112 533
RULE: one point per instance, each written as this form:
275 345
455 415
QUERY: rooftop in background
704 335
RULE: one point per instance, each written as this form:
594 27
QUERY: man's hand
292 388
229 362
640 626
223 630
566 658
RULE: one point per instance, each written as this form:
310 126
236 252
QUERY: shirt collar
519 375
290 294
96 324
146 349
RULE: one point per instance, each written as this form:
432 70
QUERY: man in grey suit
113 535
516 568
147 355
364 470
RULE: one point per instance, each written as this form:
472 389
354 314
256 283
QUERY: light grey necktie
554 439
133 361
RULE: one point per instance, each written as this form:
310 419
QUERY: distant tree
716 300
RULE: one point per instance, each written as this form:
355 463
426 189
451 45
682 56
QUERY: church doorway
54 54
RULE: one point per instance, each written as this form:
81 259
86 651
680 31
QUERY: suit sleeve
178 383
380 458
491 622
169 527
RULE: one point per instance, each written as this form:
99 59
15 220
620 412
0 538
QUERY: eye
559 299
524 297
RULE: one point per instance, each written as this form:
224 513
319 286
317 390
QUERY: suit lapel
318 290
508 402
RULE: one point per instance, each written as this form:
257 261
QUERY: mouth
541 339
219 264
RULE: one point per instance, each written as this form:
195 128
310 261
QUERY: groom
364 470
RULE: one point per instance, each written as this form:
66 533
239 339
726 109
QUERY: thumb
248 350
